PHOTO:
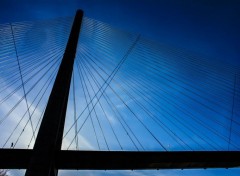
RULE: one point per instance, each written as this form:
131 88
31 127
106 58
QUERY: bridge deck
126 160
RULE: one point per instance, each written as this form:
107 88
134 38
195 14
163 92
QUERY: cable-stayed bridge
131 103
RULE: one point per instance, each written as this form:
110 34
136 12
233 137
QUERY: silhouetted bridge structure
215 145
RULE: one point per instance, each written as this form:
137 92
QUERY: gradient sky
207 28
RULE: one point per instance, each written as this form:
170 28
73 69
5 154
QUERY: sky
209 29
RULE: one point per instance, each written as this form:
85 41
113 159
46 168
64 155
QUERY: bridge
81 94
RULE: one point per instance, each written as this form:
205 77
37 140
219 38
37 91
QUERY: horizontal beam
125 160
116 160
15 158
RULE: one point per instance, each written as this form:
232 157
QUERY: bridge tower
49 138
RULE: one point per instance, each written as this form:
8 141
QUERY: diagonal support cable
24 90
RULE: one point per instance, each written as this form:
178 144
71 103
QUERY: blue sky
207 29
